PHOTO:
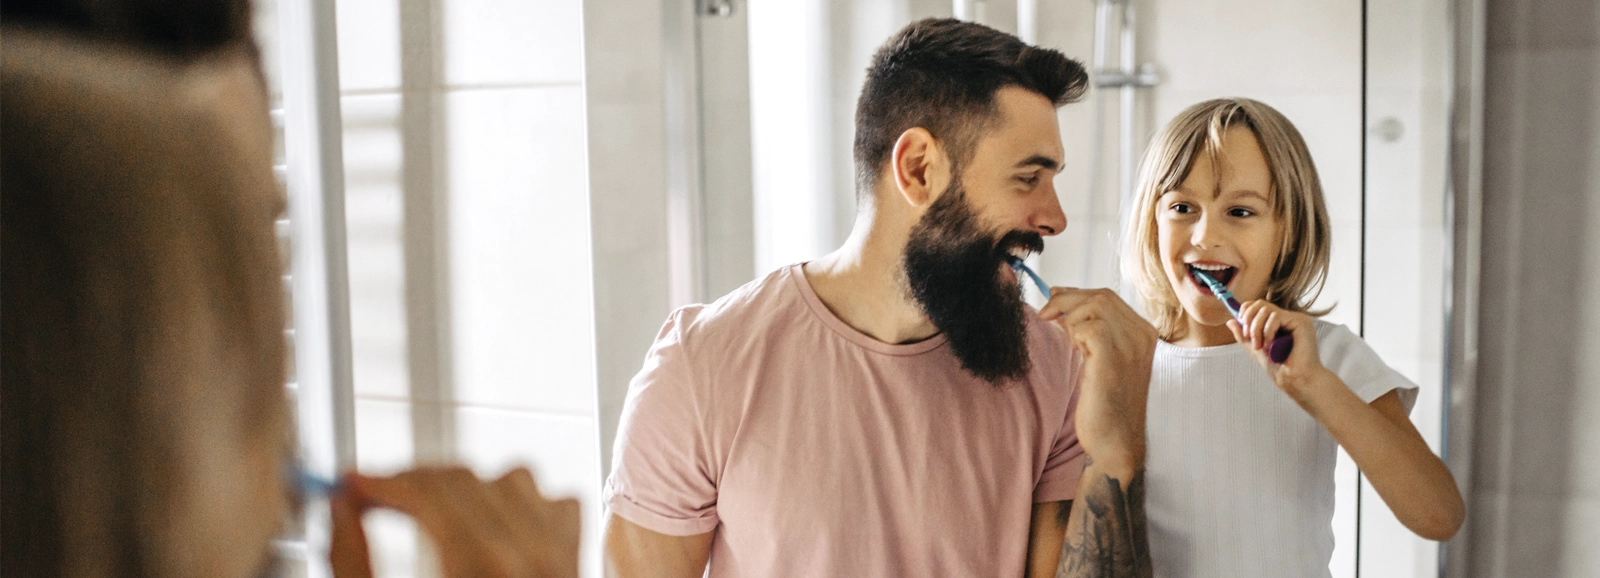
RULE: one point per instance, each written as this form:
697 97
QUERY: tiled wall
626 92
468 214
1535 506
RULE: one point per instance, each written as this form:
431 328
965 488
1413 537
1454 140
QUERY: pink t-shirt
812 449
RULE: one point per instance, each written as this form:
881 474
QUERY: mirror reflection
815 288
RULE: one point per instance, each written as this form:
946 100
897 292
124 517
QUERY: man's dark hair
179 28
942 74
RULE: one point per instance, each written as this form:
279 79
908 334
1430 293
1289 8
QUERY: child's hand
1259 321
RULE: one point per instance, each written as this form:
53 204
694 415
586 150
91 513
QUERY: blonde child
1241 450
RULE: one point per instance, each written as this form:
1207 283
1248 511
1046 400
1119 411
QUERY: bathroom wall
627 90
469 246
1535 506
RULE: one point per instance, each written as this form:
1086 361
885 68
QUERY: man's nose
1049 219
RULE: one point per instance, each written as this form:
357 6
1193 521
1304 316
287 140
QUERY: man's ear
916 163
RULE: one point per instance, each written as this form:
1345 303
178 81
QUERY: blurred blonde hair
1301 269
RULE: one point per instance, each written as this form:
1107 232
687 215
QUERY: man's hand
1104 525
1118 347
499 529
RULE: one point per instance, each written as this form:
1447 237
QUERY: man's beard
952 266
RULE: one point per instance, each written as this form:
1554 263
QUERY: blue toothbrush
1282 344
1022 269
311 485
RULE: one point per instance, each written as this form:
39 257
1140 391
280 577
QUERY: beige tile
1065 25
1242 47
1544 25
1485 537
623 51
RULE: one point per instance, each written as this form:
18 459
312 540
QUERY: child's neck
1201 335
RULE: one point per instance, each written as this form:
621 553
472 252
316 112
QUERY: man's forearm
1106 534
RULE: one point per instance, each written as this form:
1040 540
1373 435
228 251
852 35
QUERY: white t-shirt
1239 478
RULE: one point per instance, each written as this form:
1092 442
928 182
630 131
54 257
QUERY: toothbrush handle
1278 351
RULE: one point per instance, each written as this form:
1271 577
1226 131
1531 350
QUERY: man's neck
862 284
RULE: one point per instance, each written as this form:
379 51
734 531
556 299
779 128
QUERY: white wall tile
562 451
1346 508
623 53
1343 291
625 85
369 44
1250 46
519 246
496 42
383 435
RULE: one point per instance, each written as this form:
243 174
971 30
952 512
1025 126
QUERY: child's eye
1240 212
1181 208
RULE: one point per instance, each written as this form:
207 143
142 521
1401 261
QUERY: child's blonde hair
1301 268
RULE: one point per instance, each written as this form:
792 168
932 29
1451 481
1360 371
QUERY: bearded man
894 408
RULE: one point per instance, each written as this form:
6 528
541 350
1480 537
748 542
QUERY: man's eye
1029 180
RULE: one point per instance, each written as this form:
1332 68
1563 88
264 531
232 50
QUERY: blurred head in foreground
145 425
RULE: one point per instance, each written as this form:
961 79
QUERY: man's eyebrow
1041 161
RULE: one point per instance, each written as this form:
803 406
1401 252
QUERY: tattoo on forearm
1109 538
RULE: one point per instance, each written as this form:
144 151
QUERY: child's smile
1219 221
1222 273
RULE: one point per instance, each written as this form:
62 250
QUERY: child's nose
1204 235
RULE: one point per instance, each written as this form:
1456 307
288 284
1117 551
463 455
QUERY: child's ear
919 167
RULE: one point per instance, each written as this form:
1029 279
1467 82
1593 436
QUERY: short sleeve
1064 465
1349 357
662 475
